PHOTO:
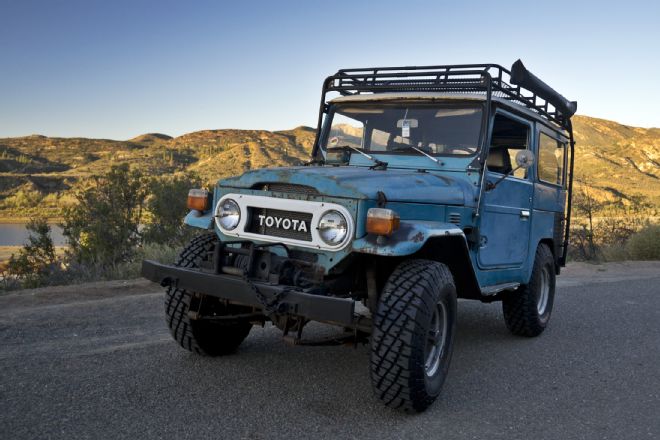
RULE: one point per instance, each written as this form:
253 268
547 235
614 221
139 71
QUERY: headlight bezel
228 221
335 222
250 204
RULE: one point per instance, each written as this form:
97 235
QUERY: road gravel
96 361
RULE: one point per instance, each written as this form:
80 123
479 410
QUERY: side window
508 137
551 160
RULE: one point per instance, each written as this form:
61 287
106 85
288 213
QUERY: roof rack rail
517 85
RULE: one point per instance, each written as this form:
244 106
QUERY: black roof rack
520 87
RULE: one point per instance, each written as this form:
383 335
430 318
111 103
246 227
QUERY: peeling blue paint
199 220
408 239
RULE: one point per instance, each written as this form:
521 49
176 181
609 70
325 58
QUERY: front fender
199 220
408 239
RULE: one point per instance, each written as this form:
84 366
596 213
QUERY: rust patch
417 238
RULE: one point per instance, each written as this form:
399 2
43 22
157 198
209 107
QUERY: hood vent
287 188
455 218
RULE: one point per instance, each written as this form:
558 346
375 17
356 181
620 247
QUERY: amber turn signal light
382 221
198 199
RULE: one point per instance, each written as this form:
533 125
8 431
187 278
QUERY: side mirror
524 159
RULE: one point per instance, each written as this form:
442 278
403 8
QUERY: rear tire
413 335
528 309
202 337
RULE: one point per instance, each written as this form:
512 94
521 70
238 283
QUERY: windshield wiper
419 150
377 163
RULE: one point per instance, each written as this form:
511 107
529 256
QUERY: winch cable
269 307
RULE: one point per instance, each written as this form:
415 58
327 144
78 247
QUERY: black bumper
233 288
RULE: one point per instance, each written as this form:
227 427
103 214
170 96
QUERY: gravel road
96 361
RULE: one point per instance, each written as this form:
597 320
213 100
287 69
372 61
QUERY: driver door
506 208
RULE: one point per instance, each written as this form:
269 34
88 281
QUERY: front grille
288 188
258 223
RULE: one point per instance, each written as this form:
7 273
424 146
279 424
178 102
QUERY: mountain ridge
39 173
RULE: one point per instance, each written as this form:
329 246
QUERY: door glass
509 136
551 160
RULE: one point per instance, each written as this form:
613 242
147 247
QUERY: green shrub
167 207
103 226
35 262
645 244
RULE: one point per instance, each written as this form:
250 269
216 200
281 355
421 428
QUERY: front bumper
234 289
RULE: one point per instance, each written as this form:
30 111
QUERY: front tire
413 335
527 310
199 336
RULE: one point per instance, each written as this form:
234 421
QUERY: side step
497 288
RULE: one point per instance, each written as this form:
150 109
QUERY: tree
167 207
36 259
103 226
585 205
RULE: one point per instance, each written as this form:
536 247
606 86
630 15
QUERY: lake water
15 234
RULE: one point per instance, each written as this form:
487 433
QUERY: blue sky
117 69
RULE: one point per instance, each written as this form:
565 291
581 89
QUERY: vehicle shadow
332 382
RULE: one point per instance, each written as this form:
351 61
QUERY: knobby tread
198 337
520 310
400 332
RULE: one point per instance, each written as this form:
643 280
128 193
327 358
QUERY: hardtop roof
440 96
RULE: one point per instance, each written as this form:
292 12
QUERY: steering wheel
464 148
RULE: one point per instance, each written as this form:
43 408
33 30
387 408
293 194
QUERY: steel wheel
437 336
544 292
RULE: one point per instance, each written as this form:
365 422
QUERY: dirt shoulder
77 293
574 274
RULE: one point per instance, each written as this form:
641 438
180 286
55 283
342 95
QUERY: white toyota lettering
282 223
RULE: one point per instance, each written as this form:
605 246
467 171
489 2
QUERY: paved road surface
98 362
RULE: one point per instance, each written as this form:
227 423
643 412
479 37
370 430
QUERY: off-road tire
201 337
401 331
521 309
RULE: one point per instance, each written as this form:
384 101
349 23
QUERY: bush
645 244
103 226
36 261
167 207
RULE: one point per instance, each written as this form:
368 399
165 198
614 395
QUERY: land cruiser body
426 184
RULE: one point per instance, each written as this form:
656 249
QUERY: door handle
524 213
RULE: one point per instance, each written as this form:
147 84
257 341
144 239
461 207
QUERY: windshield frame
332 109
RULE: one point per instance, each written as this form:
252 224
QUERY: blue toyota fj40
426 184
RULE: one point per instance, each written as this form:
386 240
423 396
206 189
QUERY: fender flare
439 241
409 238
197 220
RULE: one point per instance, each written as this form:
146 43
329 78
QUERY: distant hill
618 160
38 173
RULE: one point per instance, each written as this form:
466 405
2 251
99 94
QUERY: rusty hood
402 185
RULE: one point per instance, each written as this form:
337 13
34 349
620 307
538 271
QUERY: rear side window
551 160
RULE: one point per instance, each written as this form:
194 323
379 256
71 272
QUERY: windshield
439 129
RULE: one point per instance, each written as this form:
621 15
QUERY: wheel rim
436 340
544 292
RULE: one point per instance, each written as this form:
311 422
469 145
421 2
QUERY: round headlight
333 228
228 214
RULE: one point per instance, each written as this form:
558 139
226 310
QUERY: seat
498 160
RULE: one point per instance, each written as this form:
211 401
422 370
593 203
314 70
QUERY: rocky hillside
617 160
38 173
